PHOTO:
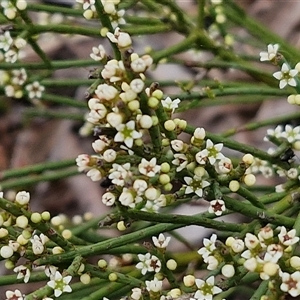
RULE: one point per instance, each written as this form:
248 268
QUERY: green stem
261 290
36 168
63 100
250 197
52 114
34 179
257 213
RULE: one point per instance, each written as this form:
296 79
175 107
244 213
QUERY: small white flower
177 145
206 289
290 283
212 262
23 272
291 134
19 77
149 168
11 56
14 295
195 185
98 53
108 199
251 241
209 246
180 160
217 207
170 105
106 92
119 174
271 54
286 76
109 155
35 90
122 39
22 197
60 284
161 242
5 41
288 238
154 285
137 85
136 294
127 133
140 186
37 245
82 162
94 174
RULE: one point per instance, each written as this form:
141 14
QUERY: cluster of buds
110 7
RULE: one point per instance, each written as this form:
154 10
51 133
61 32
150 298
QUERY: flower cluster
265 253
27 240
110 7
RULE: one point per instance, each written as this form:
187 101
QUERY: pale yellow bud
102 263
36 217
67 234
46 215
174 293
234 185
22 222
121 226
113 277
295 262
189 280
248 159
270 268
228 271
170 125
3 232
171 264
57 250
85 278
249 179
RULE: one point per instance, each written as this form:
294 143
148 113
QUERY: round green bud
121 226
102 263
234 185
26 234
113 277
36 217
85 278
46 215
170 125
165 167
171 264
133 105
67 234
22 221
164 179
158 94
155 120
168 187
153 102
9 265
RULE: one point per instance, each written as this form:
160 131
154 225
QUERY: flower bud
22 198
85 278
249 179
112 277
228 271
22 222
248 159
295 262
234 185
36 217
6 252
189 280
171 264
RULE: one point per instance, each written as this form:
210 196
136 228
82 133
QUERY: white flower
224 165
87 4
136 294
129 198
206 289
195 185
94 174
209 246
11 56
109 155
199 133
137 85
37 245
286 76
212 262
290 283
140 186
149 168
151 206
19 77
108 199
122 39
35 90
5 41
291 134
106 92
217 207
177 145
82 162
22 197
16 295
214 151
170 105
288 238
23 272
251 241
161 242
180 160
127 133
143 265
119 174
98 53
60 284
154 285
271 54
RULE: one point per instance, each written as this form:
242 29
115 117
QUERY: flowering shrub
152 161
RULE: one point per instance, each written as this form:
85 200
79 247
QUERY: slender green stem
52 114
63 100
33 179
36 168
250 197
